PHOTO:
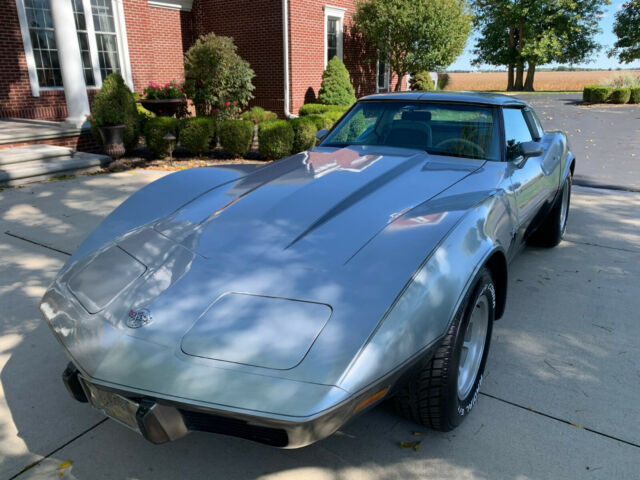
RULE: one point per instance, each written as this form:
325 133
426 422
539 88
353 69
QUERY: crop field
552 81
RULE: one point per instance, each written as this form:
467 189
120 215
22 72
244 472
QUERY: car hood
279 268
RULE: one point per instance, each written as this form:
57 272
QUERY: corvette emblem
139 318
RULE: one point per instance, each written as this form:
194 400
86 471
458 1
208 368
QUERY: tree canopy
519 33
627 29
414 35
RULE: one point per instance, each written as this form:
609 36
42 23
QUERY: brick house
55 53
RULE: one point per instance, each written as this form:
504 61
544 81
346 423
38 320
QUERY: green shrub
258 115
155 131
320 121
319 109
333 116
304 134
443 80
236 136
421 81
635 95
621 95
355 127
336 88
197 134
217 80
275 138
600 94
587 91
114 104
143 116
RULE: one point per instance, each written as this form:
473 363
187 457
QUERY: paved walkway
560 400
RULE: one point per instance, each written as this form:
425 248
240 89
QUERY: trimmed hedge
275 138
621 95
600 94
336 87
443 80
587 91
320 121
421 81
154 132
304 134
197 134
258 115
333 116
635 95
236 136
319 109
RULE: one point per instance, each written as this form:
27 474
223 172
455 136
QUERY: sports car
276 303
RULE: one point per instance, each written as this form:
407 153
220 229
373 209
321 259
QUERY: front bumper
159 420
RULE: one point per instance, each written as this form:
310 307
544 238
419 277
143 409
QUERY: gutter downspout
285 45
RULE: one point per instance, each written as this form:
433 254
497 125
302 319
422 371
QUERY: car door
531 178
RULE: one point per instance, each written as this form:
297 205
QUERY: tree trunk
510 77
518 85
398 83
531 71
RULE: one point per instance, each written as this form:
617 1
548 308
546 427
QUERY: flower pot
163 107
113 140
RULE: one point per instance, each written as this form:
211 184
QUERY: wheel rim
473 344
564 210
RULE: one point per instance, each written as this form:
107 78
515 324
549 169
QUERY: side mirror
321 134
525 150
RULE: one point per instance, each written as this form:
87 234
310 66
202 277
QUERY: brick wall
256 27
16 99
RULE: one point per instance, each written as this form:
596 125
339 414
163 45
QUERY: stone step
38 170
32 153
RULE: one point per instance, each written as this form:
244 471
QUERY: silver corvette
276 303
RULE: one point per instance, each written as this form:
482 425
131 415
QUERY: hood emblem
139 318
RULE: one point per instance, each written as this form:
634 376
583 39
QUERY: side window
535 124
516 130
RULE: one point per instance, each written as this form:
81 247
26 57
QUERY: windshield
439 128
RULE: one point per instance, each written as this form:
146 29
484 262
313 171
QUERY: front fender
422 313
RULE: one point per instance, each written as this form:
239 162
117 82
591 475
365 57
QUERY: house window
43 42
106 36
83 41
383 76
333 23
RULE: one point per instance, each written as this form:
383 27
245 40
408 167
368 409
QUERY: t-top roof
458 97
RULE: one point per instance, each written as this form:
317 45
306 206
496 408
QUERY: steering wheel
461 146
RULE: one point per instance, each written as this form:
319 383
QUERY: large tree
627 29
414 35
529 33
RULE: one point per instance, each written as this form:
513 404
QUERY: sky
600 60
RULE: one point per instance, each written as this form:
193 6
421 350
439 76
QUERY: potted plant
114 116
164 101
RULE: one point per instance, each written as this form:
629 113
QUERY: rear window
444 129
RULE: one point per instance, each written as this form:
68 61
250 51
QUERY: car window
535 124
516 130
447 129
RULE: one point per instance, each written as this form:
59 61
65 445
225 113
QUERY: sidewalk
559 399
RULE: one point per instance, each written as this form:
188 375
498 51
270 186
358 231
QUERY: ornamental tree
217 79
336 87
414 35
627 29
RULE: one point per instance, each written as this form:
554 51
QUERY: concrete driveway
560 400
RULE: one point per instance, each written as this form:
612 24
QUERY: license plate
114 406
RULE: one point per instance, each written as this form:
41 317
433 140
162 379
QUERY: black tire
432 397
550 233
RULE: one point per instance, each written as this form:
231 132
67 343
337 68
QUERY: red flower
228 103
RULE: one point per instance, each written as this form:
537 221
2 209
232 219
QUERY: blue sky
600 60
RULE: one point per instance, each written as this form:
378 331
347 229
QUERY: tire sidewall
567 185
460 408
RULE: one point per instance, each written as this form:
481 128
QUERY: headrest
417 115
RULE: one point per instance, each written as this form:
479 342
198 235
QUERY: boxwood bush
421 81
304 134
197 134
236 136
600 94
154 133
275 138
621 95
320 121
586 93
634 95
319 109
258 115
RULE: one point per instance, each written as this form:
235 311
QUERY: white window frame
336 13
387 88
121 34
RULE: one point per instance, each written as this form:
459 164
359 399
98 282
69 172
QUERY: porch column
75 89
